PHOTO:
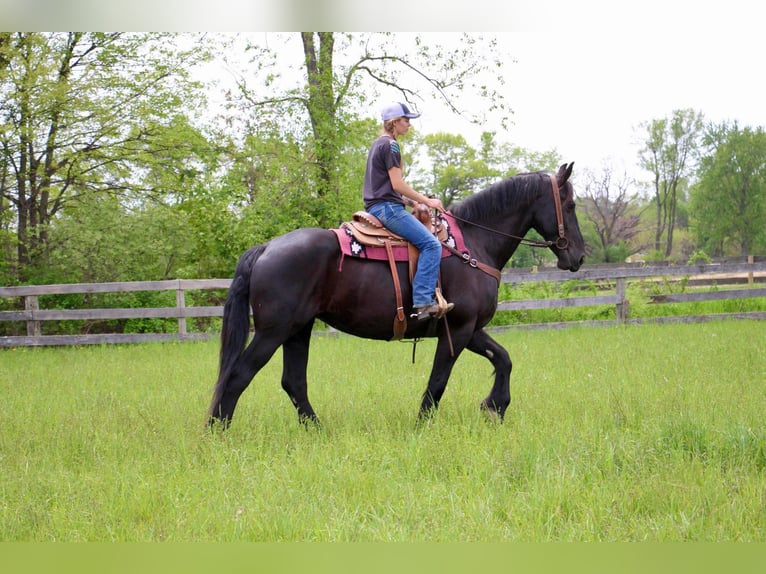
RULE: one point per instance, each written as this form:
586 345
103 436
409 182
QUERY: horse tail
236 321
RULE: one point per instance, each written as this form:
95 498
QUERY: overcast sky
585 94
587 72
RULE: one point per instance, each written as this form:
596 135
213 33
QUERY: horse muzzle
567 262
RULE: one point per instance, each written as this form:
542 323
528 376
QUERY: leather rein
561 241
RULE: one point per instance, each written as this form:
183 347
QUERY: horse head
558 224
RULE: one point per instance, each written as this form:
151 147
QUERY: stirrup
433 311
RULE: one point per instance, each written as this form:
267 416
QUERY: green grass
651 432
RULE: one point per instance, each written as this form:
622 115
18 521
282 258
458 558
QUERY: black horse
296 278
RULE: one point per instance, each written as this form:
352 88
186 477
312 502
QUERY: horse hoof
309 421
218 425
491 411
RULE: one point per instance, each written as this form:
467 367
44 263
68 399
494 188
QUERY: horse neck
510 225
493 248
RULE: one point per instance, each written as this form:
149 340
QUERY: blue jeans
396 218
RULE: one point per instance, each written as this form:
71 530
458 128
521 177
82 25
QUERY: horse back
299 256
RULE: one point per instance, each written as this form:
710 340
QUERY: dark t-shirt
384 154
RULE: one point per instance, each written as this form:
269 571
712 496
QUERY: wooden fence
612 282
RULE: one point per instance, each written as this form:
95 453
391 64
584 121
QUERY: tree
340 72
608 206
509 159
98 239
669 154
79 113
728 205
455 171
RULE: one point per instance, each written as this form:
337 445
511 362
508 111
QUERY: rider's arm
406 191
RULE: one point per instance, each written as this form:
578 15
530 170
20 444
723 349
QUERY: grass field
651 432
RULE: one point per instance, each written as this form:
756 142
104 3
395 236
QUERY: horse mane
502 197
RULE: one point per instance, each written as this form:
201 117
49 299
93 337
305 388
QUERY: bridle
561 243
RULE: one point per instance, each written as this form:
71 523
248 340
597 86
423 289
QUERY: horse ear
565 171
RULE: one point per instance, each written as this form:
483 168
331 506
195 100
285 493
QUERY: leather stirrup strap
442 301
400 324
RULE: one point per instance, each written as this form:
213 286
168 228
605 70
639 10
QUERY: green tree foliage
668 154
112 168
728 205
98 239
82 114
455 169
510 159
99 146
338 72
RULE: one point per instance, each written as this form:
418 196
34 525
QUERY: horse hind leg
251 360
295 353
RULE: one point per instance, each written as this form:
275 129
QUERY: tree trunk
671 219
659 224
321 107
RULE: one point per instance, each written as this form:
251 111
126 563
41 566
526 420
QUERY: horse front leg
444 361
295 354
499 397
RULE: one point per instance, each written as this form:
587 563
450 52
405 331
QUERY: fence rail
610 278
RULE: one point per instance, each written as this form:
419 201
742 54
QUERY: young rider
385 196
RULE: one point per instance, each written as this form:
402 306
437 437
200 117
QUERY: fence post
32 304
750 275
181 304
622 309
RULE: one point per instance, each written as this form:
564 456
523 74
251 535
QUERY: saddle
369 231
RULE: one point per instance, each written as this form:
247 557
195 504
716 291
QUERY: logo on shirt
395 147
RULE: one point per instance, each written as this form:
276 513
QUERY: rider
385 197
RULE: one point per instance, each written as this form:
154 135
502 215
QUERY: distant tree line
112 166
704 195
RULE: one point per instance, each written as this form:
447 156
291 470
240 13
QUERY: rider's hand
435 203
